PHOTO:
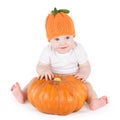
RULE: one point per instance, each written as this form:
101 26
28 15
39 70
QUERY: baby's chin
63 51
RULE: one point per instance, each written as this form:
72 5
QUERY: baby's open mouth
63 47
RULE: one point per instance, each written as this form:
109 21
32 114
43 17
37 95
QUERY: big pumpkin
61 96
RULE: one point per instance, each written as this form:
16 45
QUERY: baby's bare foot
18 93
98 103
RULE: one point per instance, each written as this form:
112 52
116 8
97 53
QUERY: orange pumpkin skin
57 97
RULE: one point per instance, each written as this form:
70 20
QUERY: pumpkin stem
57 79
55 11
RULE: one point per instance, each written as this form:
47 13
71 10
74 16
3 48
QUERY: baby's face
62 44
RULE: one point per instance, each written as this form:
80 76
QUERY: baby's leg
98 102
93 101
18 93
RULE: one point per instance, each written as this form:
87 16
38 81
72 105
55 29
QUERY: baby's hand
80 77
47 74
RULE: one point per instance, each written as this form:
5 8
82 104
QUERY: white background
22 37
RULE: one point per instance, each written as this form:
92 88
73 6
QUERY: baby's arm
84 71
44 70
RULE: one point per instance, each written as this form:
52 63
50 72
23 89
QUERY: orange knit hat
58 23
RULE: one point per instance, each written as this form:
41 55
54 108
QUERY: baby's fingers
83 80
50 76
41 77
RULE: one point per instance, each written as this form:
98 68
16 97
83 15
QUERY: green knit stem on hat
55 11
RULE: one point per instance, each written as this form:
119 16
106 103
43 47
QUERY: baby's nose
62 42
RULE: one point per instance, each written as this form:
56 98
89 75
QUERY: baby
62 56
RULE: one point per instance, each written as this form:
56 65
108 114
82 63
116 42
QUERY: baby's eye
67 37
56 39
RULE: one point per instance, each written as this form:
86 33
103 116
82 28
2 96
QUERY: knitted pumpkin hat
58 23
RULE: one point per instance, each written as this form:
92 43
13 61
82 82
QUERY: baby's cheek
54 47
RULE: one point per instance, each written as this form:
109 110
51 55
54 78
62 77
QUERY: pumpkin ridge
42 95
35 82
74 87
72 94
38 92
50 93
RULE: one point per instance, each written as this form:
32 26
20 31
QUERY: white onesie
64 63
